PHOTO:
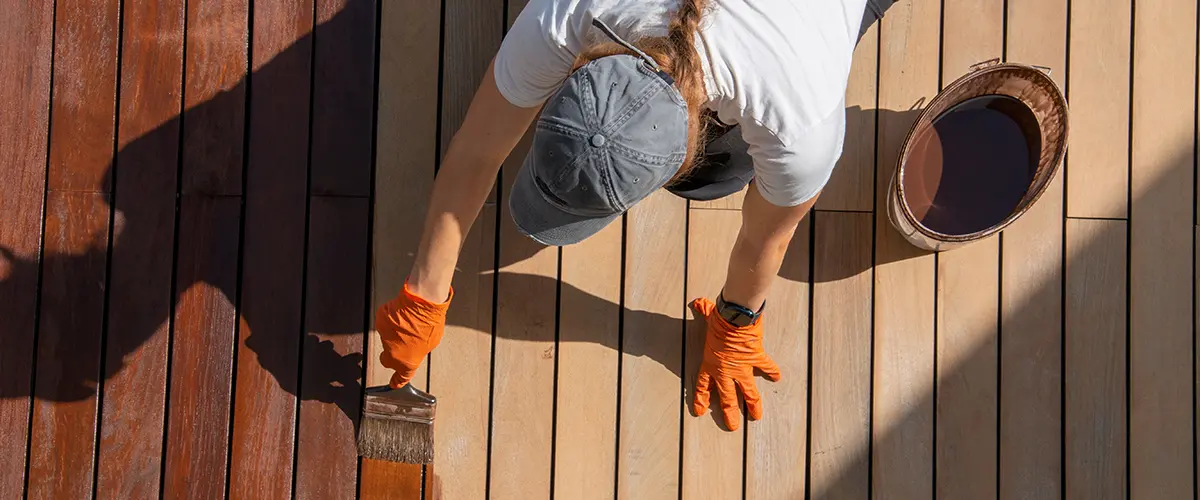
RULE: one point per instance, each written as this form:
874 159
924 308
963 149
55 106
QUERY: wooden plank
712 455
326 457
1095 387
1160 250
26 34
264 418
902 414
588 352
841 357
851 186
651 357
201 369
343 97
1099 89
69 340
968 298
1031 305
406 154
140 295
215 97
776 447
84 102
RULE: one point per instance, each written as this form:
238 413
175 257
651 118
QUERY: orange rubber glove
410 327
731 354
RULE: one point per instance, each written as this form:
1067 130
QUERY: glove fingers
402 377
704 306
729 403
769 368
701 394
754 408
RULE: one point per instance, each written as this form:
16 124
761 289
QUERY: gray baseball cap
614 133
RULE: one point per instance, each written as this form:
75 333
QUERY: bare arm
761 244
488 134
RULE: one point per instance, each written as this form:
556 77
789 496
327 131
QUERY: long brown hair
676 54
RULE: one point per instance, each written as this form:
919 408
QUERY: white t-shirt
778 68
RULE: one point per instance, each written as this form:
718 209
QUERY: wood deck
204 200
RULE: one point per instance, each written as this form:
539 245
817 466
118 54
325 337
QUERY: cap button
598 140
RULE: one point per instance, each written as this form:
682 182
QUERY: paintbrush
397 425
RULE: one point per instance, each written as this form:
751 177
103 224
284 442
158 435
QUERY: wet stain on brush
971 168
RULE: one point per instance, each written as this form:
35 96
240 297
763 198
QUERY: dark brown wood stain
971 167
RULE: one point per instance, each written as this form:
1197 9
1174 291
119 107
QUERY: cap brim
543 221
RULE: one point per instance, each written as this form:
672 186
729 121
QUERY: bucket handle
996 60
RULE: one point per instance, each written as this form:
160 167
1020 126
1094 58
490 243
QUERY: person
698 97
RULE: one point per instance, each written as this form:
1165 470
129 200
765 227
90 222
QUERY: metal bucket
1034 89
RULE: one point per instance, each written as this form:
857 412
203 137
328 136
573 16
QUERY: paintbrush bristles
395 440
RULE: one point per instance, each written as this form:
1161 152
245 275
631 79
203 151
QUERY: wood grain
1095 385
1160 251
841 357
264 421
902 414
1099 43
852 184
140 296
201 368
712 455
84 102
968 298
335 304
343 97
1031 301
406 153
61 448
215 97
652 342
589 326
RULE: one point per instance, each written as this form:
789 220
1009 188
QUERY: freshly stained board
851 185
26 31
776 448
588 353
1031 303
902 406
1160 251
1095 385
69 339
840 422
967 298
273 269
651 348
406 155
326 456
343 97
712 454
201 369
140 296
1099 43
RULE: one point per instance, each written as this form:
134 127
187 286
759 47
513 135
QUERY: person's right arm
488 134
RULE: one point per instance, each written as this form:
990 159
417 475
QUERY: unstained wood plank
1161 339
140 295
61 451
589 324
1031 301
852 184
1099 47
712 454
201 369
1096 357
902 415
264 421
652 342
840 422
967 298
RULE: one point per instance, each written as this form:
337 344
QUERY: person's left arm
763 240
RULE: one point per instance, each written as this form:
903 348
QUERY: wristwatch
735 314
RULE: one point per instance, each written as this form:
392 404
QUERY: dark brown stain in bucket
971 169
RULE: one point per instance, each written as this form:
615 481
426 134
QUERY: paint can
978 156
